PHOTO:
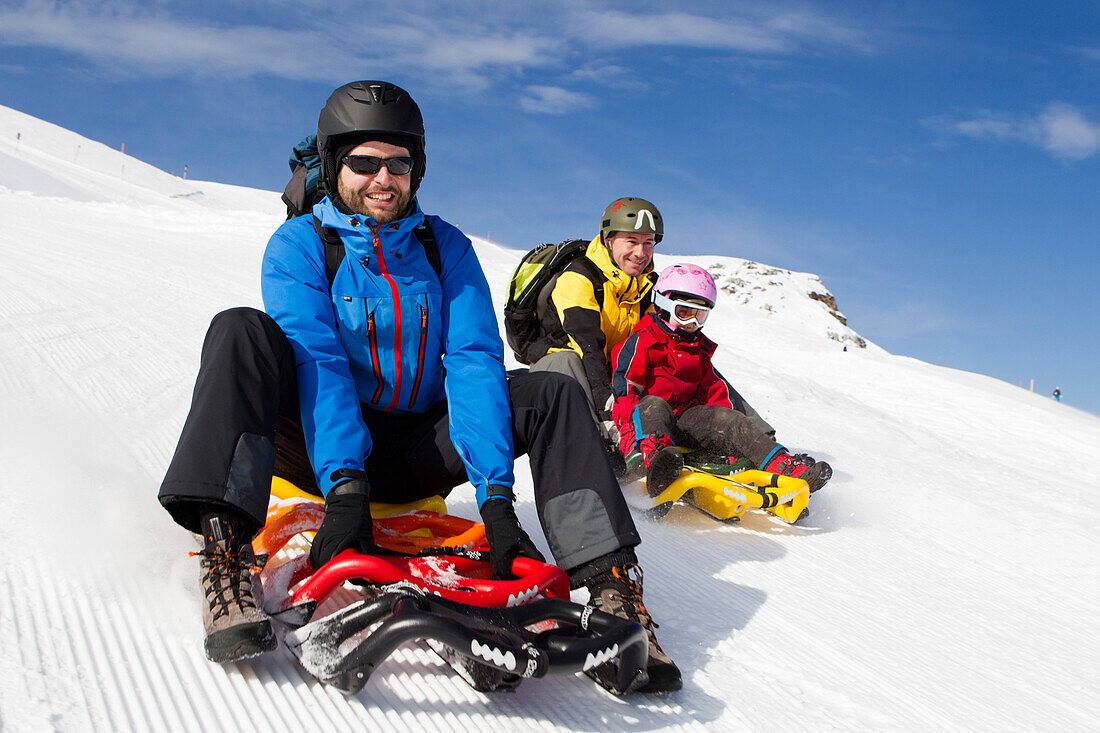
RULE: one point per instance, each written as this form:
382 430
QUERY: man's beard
357 202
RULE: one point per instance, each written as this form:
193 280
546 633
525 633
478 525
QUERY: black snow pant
245 426
709 427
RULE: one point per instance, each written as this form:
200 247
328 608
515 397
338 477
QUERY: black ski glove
507 540
347 523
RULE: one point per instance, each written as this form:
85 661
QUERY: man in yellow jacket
599 298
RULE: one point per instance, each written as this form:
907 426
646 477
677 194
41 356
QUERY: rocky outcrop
830 302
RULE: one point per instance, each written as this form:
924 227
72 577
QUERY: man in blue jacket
380 375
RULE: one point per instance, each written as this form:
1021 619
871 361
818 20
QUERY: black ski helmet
369 107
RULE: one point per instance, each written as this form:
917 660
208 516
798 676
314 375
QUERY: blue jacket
391 335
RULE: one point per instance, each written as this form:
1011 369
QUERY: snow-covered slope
946 580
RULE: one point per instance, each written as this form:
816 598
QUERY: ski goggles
686 313
683 312
368 165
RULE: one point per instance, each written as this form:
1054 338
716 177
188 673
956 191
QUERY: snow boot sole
662 678
817 475
243 641
664 468
607 676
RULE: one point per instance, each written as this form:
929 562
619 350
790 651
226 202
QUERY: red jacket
655 361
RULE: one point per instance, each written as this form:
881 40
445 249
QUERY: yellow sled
283 489
727 497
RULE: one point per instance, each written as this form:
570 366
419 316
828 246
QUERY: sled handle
451 577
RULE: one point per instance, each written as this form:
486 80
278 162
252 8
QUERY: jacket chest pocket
424 349
396 341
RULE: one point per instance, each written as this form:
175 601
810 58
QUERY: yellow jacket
595 306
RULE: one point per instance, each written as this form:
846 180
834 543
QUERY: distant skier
1057 394
668 392
385 382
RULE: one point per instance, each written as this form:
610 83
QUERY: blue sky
937 164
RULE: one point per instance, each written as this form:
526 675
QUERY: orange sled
407 528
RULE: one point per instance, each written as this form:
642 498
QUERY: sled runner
491 647
727 497
726 491
436 587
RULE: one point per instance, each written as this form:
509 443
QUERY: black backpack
530 286
302 192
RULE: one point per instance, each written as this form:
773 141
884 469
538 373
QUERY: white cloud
554 100
617 30
149 41
811 26
471 43
780 34
133 42
1067 133
1061 129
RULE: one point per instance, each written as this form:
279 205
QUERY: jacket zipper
395 293
420 354
373 339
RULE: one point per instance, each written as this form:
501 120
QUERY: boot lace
790 463
631 593
228 575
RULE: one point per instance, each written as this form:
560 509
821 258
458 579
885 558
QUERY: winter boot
817 475
800 465
236 627
615 458
619 592
663 462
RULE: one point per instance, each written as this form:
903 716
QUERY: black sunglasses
368 165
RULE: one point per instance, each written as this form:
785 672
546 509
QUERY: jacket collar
632 288
333 218
698 340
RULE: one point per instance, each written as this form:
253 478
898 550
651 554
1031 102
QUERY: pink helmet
680 283
688 279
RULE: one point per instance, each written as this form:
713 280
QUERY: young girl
667 392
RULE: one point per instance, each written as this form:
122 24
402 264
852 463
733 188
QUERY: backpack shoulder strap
590 270
648 297
426 236
334 249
